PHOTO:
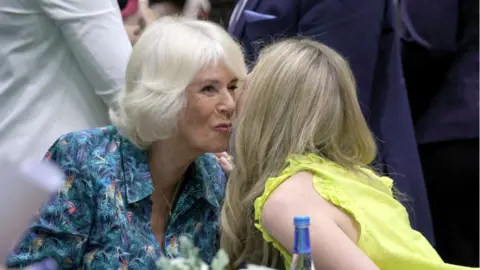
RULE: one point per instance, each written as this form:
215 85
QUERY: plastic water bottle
302 252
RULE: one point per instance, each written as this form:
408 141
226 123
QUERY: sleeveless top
385 236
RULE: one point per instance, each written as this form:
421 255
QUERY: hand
133 29
225 161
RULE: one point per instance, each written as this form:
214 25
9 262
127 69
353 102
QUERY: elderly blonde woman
303 147
133 188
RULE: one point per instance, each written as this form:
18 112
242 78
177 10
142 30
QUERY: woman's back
301 98
385 234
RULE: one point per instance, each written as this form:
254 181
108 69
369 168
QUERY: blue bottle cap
301 244
301 221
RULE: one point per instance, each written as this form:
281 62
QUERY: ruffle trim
323 185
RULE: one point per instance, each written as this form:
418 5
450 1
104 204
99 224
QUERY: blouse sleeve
62 229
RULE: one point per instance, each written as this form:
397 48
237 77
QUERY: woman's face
207 120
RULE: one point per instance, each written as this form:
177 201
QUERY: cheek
198 119
199 113
197 126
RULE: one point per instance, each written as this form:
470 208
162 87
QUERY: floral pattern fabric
100 218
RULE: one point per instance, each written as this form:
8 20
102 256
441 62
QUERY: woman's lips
223 127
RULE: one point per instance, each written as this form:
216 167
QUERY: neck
169 160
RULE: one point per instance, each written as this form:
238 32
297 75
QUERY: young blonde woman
302 147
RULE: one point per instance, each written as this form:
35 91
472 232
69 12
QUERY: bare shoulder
297 196
333 233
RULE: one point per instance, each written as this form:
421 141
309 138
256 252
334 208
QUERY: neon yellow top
386 236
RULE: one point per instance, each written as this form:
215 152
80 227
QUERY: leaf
190 253
187 249
163 263
256 267
190 260
220 261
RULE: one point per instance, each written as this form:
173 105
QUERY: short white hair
163 62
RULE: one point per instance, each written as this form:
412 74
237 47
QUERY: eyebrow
209 81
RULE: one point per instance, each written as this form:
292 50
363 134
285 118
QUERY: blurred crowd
63 64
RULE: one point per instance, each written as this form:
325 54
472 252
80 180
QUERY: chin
216 147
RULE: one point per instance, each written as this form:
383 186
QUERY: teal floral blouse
100 218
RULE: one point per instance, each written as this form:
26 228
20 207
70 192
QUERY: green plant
190 260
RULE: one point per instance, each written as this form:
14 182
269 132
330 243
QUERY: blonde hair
301 99
162 64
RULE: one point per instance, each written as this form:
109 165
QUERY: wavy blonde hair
301 99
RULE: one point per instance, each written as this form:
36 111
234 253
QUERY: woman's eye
208 89
232 88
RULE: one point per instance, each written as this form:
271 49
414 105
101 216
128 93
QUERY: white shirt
61 62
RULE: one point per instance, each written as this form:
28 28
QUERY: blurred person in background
133 188
61 63
440 56
365 33
138 14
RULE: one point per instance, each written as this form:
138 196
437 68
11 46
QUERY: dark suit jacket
440 54
364 32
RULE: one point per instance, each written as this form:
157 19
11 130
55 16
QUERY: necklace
170 203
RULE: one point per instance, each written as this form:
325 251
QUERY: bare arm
332 248
95 34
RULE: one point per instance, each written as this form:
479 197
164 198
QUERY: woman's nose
227 106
